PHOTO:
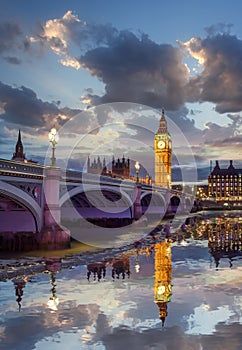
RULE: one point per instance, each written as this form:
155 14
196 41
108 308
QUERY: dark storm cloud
220 135
220 80
138 70
133 68
10 33
235 141
22 106
12 60
186 125
12 40
219 28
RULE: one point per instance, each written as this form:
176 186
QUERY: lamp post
53 138
137 167
137 194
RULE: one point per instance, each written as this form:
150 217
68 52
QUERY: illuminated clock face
161 144
161 290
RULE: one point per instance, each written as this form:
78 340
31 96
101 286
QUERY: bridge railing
22 169
15 168
78 176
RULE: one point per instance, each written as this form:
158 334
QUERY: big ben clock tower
163 271
163 154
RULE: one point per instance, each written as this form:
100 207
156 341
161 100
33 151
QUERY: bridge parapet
20 169
78 176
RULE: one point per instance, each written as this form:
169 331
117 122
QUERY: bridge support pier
137 202
52 235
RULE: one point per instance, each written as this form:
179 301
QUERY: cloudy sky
61 58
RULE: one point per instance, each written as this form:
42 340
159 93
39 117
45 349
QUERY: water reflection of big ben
163 270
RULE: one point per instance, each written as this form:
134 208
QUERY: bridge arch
91 202
174 203
32 210
152 202
80 189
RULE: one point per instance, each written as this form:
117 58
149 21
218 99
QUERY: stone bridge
33 197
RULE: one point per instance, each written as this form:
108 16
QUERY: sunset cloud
220 80
130 67
138 70
69 36
22 106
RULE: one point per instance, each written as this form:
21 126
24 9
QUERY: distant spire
19 135
19 142
19 149
231 167
216 165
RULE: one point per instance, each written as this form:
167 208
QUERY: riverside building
225 184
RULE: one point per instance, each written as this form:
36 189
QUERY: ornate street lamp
137 168
54 138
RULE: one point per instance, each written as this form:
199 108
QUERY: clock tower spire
163 154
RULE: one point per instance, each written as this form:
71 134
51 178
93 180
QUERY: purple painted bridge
33 197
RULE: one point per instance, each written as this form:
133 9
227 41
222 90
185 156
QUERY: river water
178 292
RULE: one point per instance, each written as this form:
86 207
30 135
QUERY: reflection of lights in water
86 337
137 264
137 267
168 250
19 285
87 334
53 302
183 243
162 281
206 307
204 320
161 290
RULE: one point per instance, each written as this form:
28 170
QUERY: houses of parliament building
162 167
